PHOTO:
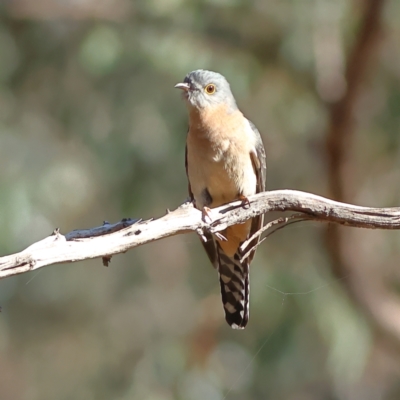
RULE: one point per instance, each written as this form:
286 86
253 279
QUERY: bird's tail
234 281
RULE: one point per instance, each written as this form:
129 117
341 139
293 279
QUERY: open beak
183 86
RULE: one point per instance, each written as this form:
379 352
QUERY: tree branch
369 291
341 129
111 239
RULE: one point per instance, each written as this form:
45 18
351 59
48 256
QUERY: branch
111 239
368 291
341 128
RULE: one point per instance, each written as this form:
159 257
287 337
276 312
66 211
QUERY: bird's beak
183 86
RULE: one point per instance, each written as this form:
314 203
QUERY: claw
221 237
206 215
245 201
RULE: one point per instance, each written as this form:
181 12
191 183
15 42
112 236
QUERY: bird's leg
208 218
245 201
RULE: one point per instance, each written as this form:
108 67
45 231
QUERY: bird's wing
259 161
210 246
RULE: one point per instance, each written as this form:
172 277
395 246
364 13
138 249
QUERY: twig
278 224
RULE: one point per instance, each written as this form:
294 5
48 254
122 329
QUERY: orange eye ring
210 88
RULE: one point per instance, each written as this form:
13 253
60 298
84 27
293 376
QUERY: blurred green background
92 129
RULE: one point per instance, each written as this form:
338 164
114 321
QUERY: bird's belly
224 179
222 186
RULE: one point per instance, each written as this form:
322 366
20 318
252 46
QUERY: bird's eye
210 88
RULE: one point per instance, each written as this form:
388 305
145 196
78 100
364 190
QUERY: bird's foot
206 215
221 237
245 201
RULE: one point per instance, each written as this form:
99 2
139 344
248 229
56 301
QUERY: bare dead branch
110 239
276 224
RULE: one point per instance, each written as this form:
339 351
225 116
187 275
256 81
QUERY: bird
225 161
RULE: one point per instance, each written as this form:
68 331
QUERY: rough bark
109 239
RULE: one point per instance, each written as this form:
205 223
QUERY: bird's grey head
203 89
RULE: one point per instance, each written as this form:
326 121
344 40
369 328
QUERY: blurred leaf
101 50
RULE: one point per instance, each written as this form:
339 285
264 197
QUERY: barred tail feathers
234 282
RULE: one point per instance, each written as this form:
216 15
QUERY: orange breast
218 147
